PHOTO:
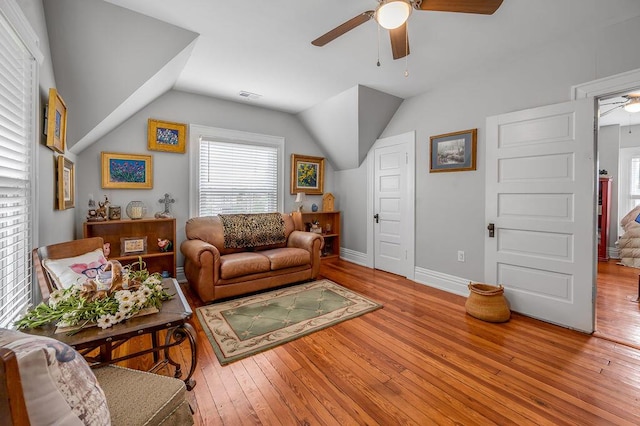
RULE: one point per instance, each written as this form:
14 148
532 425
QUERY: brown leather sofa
215 271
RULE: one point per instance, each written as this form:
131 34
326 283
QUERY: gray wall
171 171
608 156
53 225
450 207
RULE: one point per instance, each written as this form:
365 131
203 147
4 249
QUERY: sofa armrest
311 242
201 266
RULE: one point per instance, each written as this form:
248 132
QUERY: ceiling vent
249 95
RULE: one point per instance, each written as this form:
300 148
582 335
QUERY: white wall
54 225
171 171
450 207
608 155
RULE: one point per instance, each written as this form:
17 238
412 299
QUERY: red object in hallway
604 217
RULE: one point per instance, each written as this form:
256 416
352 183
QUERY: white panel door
540 189
390 171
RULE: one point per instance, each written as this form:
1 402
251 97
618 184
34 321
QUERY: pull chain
378 63
406 51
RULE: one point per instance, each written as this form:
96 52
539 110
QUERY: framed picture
166 136
56 127
65 191
133 245
454 152
307 174
127 171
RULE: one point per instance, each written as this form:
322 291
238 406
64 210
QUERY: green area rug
242 327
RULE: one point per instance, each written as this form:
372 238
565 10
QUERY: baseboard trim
353 256
441 281
180 275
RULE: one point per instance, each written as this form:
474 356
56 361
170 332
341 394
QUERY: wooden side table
172 317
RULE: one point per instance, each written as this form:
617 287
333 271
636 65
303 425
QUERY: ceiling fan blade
343 28
484 7
602 114
399 42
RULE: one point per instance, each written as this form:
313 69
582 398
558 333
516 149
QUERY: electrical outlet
460 256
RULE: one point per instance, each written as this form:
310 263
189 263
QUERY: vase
487 302
136 210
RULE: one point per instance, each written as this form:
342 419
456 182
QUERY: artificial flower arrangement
116 294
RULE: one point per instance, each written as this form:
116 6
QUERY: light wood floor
420 360
617 312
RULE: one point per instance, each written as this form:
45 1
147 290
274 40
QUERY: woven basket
487 302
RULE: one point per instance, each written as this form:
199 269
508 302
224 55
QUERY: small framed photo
307 174
166 136
56 126
65 188
133 245
126 171
454 152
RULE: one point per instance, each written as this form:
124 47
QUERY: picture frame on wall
307 174
66 179
453 152
166 136
56 122
126 171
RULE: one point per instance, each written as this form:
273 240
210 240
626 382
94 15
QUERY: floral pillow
75 270
57 383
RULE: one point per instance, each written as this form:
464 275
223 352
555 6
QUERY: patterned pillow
57 383
75 270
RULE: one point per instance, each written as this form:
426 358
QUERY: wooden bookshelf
330 223
112 231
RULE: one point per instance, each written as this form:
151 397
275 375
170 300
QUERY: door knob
492 229
376 217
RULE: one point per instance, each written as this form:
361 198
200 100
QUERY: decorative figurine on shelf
101 211
91 213
314 207
167 201
328 201
106 249
164 245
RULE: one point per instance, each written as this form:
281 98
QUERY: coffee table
172 318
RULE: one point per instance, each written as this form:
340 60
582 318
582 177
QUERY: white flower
158 288
139 299
55 298
152 281
105 321
145 291
118 317
124 296
125 306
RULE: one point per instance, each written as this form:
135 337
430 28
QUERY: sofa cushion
289 257
239 264
57 383
75 270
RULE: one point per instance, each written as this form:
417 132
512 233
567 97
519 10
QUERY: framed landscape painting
126 171
453 152
65 191
166 136
56 126
307 174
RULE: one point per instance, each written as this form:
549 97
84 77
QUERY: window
235 172
18 85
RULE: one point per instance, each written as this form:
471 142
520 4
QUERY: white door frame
410 139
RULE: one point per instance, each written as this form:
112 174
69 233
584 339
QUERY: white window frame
23 31
198 132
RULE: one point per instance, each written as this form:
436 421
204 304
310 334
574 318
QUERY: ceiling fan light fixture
391 14
633 105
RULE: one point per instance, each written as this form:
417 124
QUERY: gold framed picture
453 152
166 136
65 188
307 174
56 126
126 171
133 245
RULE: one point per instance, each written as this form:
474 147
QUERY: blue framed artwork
453 152
56 122
166 136
126 171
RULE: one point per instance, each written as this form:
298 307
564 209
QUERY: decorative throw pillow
75 270
57 383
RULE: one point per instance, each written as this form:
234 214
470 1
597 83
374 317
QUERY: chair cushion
282 258
240 264
71 270
141 398
57 383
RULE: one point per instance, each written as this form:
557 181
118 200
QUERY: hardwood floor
420 360
617 312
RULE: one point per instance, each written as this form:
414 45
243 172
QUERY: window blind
17 82
237 177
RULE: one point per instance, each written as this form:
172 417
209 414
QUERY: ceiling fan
630 104
393 15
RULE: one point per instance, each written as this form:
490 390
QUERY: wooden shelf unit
331 238
112 230
604 217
